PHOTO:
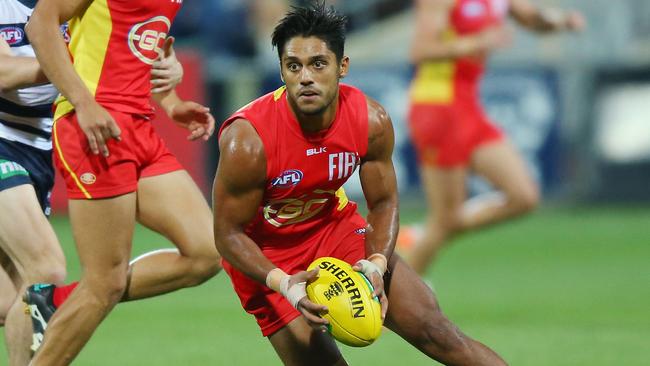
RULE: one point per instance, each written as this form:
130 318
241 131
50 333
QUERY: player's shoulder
378 117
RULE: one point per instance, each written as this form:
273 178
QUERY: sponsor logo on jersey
147 38
12 34
288 178
88 178
342 165
473 9
316 151
65 32
360 231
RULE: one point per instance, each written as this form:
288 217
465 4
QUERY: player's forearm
20 72
52 53
243 254
544 20
167 100
383 222
465 46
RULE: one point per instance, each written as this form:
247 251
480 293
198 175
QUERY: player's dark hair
316 20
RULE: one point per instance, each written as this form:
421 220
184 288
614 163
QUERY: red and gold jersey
113 44
304 173
440 82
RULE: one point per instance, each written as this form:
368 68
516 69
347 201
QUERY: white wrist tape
293 293
274 278
278 281
376 263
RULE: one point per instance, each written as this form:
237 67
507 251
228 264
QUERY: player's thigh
502 165
26 235
444 188
103 231
299 344
413 310
173 205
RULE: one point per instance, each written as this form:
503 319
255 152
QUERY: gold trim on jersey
89 39
277 94
434 80
57 147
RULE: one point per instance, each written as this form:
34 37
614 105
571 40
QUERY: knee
204 266
439 337
106 289
47 269
448 223
526 199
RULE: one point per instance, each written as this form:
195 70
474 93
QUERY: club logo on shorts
88 178
147 38
13 35
288 178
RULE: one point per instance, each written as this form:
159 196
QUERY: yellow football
354 314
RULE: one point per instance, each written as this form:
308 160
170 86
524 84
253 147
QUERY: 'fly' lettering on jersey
342 165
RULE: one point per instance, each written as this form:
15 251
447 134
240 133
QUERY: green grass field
561 287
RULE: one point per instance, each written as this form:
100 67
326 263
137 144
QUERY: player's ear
344 66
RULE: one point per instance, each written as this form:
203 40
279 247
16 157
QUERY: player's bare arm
430 41
379 184
18 72
166 71
238 190
52 53
545 20
187 114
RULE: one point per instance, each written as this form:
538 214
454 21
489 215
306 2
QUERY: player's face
311 72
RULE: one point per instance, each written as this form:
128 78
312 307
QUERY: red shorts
343 239
447 135
141 153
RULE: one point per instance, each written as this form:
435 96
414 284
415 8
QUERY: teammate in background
449 129
279 203
29 249
117 170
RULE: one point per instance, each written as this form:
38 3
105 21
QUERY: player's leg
502 166
28 239
172 205
445 193
103 230
8 290
414 314
299 344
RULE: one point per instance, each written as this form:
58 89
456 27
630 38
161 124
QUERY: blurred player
450 131
29 249
117 169
279 203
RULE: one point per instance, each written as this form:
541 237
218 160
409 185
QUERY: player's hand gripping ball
354 314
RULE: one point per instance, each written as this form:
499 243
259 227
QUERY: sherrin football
354 315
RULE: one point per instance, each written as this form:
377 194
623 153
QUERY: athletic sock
62 293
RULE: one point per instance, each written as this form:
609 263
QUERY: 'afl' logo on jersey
146 38
287 179
12 35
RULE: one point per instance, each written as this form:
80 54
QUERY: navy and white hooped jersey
25 114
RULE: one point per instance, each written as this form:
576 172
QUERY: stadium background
568 285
